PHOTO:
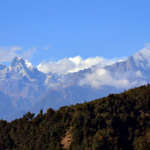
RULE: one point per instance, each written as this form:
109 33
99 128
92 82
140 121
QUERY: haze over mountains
24 87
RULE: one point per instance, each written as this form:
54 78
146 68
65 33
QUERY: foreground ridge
116 122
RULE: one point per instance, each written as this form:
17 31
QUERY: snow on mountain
142 58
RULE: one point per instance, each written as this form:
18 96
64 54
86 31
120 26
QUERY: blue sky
54 29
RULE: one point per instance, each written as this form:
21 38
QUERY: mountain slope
116 122
22 84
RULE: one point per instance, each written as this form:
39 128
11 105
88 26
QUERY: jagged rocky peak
23 68
19 66
17 61
20 63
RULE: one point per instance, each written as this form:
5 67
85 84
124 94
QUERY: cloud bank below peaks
74 64
101 77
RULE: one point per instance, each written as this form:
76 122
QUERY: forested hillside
117 122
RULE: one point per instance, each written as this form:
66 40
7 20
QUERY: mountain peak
21 66
17 60
142 54
142 58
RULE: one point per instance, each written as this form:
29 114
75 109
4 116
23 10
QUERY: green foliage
116 122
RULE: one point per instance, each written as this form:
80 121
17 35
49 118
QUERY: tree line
117 122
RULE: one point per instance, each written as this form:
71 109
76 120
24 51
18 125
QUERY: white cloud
139 74
101 77
8 53
74 64
61 66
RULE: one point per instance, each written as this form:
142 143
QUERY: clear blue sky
108 28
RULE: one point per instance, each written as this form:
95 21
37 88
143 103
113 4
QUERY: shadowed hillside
116 122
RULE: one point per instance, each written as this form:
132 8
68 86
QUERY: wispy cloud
27 54
8 53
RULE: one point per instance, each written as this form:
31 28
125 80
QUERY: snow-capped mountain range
24 87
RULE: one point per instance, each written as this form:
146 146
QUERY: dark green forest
117 122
